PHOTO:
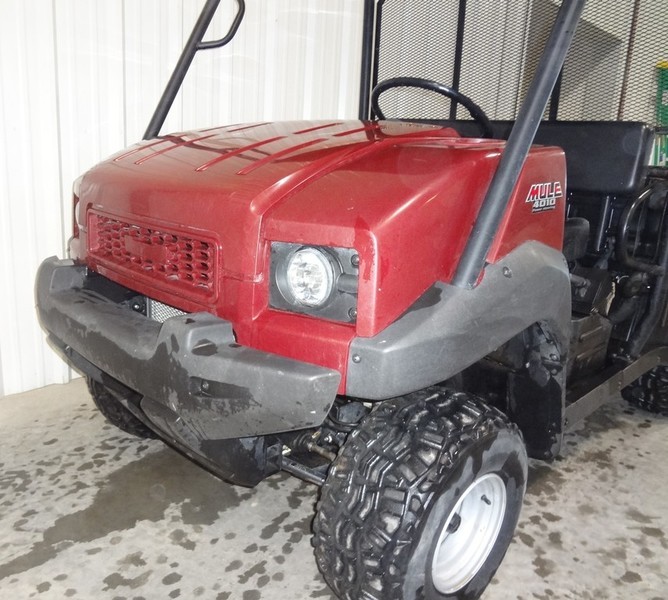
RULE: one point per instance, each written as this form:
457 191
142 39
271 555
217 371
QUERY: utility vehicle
401 311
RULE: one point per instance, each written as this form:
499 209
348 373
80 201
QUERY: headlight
314 280
309 277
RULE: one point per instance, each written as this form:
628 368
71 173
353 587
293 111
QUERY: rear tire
422 501
110 406
650 391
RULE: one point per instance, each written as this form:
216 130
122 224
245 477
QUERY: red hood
404 192
224 180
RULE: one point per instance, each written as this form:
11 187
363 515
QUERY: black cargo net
617 68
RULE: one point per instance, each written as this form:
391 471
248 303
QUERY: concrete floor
89 512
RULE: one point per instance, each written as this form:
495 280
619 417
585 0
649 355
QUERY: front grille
160 256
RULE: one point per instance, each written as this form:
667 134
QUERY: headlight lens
320 281
309 277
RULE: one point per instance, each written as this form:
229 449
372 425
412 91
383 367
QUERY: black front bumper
197 383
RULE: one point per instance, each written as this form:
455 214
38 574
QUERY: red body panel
404 196
545 167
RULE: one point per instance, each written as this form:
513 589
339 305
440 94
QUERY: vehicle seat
602 157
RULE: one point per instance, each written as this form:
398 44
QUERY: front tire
650 391
422 501
108 403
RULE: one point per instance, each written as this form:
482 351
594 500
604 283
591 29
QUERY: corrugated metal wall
79 80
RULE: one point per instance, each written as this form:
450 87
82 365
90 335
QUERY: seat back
602 157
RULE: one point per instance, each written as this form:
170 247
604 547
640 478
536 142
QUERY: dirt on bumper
189 366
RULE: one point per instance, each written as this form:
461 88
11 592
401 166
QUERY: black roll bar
368 31
459 54
193 45
521 137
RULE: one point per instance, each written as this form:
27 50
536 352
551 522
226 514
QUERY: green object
660 158
662 94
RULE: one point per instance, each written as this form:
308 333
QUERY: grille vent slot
159 256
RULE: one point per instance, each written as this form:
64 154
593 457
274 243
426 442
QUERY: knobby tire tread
112 409
381 483
650 391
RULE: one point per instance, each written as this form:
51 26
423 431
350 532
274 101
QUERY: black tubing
193 44
521 137
657 303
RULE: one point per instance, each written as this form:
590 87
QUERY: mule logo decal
544 196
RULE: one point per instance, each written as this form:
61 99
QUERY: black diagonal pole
519 142
459 54
193 44
368 57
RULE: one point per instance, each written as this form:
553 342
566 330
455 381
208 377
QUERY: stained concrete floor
89 512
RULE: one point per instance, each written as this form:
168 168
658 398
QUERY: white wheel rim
469 534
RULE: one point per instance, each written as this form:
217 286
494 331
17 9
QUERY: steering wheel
475 111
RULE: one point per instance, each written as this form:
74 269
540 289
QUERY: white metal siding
79 80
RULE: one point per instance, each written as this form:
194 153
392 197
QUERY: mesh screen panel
611 71
161 312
